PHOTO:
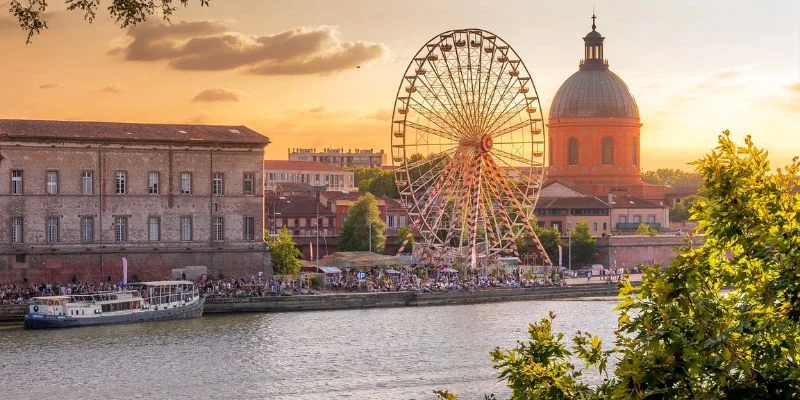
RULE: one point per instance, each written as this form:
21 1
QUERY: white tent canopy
329 270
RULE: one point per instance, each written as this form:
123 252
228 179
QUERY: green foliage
355 234
376 181
584 245
285 255
682 211
550 238
32 16
721 322
402 233
672 177
646 230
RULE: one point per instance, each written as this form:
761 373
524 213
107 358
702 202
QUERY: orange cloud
794 87
210 46
113 89
217 94
50 85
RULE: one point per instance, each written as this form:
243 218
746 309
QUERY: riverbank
339 301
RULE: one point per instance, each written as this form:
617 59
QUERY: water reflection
400 353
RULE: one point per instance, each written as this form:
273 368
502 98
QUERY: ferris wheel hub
486 143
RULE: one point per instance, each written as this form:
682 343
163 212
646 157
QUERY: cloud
217 94
381 115
211 46
316 110
50 85
794 87
113 89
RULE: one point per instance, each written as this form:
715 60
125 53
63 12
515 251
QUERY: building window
121 229
390 221
52 229
637 219
87 229
248 183
605 227
219 229
119 182
186 183
87 184
154 229
608 150
16 181
216 185
16 230
52 182
623 219
651 219
186 228
594 227
249 228
572 151
635 152
152 182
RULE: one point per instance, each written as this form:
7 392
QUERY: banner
124 271
560 263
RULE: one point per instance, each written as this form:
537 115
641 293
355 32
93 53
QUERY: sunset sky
288 69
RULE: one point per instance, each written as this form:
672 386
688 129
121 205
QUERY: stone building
76 197
358 158
278 172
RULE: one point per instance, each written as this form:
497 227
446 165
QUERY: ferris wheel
468 146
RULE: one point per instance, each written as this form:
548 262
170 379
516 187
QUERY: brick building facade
76 197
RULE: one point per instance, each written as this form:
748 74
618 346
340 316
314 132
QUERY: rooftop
127 132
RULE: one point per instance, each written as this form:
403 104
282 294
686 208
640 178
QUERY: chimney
611 199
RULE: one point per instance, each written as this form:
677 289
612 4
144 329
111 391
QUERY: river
397 353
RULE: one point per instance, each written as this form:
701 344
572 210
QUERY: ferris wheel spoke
501 98
438 132
431 96
504 154
508 129
509 112
431 116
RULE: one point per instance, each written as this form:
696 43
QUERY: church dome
594 93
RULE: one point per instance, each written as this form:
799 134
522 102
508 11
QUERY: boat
138 302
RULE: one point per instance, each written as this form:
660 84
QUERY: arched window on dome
635 152
608 150
572 151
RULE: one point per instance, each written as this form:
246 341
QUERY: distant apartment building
358 158
279 172
77 197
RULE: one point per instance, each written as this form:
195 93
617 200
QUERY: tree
32 18
646 230
402 233
680 212
583 244
363 218
672 177
285 255
550 238
721 321
376 181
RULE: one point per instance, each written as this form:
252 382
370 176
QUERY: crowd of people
372 280
22 293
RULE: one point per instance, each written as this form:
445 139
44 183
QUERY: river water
397 353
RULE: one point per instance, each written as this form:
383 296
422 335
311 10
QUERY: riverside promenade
577 288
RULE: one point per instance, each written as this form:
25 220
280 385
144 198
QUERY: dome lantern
593 49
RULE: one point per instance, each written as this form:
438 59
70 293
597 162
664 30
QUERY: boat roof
166 283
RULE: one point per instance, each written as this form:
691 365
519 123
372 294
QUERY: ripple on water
400 353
